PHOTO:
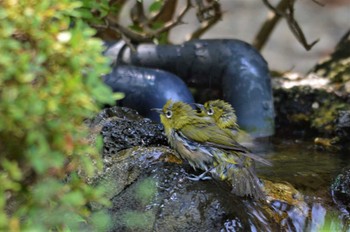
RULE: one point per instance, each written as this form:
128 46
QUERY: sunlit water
311 171
308 169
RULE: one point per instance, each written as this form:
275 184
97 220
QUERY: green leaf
75 198
44 101
118 96
135 28
157 25
12 169
155 6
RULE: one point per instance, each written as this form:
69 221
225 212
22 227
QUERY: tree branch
204 9
206 21
285 9
268 26
175 22
166 13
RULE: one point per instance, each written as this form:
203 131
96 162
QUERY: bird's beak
158 110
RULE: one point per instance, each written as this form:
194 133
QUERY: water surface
311 171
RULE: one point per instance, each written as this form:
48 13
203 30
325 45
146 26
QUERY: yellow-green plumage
225 117
204 145
223 114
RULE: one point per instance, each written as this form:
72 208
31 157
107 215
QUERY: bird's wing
211 135
204 132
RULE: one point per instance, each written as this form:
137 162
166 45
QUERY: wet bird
223 115
206 146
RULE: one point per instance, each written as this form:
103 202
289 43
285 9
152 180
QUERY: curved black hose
231 65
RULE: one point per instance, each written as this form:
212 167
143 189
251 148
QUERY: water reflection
311 172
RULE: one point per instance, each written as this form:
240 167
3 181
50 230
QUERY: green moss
323 118
299 118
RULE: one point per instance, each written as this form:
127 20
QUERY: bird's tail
243 180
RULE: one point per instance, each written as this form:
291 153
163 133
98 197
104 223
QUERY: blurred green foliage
49 83
146 191
137 221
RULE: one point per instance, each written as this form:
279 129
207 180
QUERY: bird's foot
200 177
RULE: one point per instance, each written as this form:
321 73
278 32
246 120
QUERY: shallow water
308 169
311 171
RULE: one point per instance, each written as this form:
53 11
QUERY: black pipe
146 88
231 65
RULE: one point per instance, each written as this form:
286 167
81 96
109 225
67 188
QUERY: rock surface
161 198
123 128
150 191
309 111
340 190
342 126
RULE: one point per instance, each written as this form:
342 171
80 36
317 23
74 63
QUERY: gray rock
163 199
342 125
308 112
341 190
123 128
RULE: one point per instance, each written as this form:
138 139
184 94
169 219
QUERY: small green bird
206 146
224 116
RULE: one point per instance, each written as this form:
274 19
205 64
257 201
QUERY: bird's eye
210 111
168 114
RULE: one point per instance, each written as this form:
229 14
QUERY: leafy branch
155 24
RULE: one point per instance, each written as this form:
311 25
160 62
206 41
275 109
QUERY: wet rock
150 191
286 204
163 199
121 170
316 104
305 109
342 125
123 128
316 113
340 190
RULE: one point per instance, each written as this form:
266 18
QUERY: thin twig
205 25
139 18
166 12
127 35
288 14
319 3
175 22
295 28
137 13
266 29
